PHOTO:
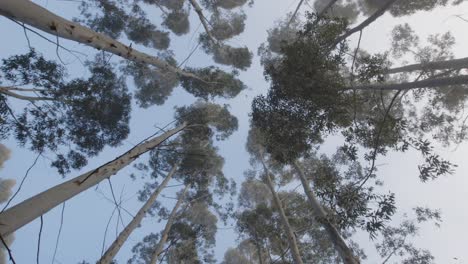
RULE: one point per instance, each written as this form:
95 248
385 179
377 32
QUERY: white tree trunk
28 210
289 233
170 221
27 12
136 221
433 65
202 18
428 83
345 252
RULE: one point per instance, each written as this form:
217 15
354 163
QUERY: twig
59 232
10 254
22 182
39 239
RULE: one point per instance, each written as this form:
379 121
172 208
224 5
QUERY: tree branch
461 63
428 83
366 22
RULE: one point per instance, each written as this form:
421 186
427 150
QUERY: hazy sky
86 215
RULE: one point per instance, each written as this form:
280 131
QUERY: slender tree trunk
27 12
289 233
136 221
428 83
259 250
8 91
345 252
170 221
202 18
28 210
293 16
433 65
366 22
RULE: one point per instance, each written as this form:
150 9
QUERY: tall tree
204 119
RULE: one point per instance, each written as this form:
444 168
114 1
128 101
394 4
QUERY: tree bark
28 210
345 252
8 91
136 221
27 12
170 221
202 18
366 22
428 83
433 65
289 233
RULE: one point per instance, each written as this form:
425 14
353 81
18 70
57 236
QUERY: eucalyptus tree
84 114
199 167
197 122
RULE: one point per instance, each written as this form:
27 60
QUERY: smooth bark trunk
203 20
28 210
454 64
289 233
428 83
8 91
170 221
293 16
136 221
31 14
345 252
366 22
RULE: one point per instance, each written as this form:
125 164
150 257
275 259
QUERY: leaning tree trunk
428 83
203 20
289 233
366 22
454 64
28 210
170 221
345 252
25 11
123 236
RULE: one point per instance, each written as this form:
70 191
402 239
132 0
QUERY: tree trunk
345 252
28 210
136 221
27 12
170 221
8 91
366 22
289 233
293 16
202 18
428 83
433 65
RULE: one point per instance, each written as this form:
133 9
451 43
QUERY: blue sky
87 214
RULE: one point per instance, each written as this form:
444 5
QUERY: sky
86 215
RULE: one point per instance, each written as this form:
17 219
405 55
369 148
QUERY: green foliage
214 83
85 114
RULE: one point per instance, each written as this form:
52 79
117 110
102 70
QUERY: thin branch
203 20
39 239
10 254
59 232
21 184
293 16
366 22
